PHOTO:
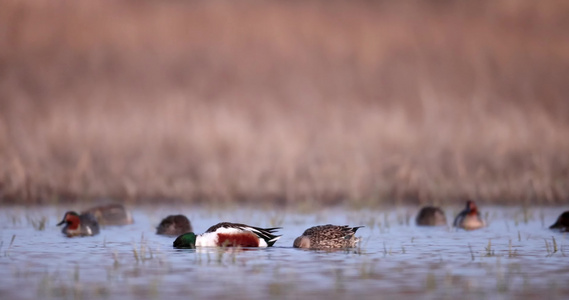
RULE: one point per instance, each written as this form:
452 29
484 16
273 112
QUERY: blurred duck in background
174 225
431 216
469 218
79 224
111 214
562 222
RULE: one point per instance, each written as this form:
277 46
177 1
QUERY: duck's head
71 218
186 240
471 206
301 242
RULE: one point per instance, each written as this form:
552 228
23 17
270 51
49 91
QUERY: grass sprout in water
38 224
488 248
511 253
551 249
141 255
7 252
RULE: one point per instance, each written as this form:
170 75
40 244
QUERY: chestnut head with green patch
72 220
471 207
186 240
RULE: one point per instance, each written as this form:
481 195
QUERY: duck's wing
266 234
459 218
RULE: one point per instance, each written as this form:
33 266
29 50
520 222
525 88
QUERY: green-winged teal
327 237
229 235
79 224
469 218
431 216
174 225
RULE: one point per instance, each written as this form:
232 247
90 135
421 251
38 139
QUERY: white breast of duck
227 236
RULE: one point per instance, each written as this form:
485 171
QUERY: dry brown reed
285 102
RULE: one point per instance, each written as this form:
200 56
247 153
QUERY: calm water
513 257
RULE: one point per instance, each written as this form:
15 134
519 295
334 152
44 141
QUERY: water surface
515 256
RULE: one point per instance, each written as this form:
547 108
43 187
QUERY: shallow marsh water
515 256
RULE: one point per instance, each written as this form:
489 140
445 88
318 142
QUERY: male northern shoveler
562 222
79 225
111 214
469 218
174 225
327 237
229 235
431 216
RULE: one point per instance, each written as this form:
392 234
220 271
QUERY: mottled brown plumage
328 237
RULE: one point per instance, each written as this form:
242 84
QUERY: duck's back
89 224
331 236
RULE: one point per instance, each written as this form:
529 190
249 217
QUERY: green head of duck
186 241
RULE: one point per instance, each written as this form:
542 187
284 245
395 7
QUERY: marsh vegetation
284 103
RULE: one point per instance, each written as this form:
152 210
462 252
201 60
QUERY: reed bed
284 103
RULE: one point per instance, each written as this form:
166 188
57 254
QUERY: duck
328 237
79 224
227 234
469 218
174 225
431 216
110 214
562 222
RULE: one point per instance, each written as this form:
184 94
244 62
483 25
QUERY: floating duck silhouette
174 225
431 216
562 222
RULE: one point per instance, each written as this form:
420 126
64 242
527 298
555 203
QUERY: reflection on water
516 255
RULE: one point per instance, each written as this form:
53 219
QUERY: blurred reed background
285 102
